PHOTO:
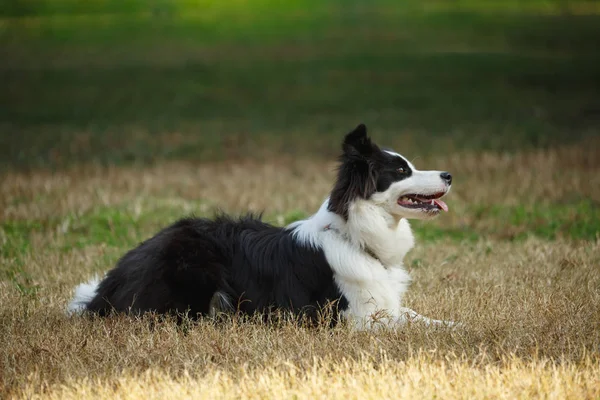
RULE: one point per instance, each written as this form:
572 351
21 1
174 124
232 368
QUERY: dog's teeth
432 203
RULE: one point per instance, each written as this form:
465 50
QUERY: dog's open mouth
424 202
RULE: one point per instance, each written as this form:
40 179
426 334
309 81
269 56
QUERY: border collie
348 254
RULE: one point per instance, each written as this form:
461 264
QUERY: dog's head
387 179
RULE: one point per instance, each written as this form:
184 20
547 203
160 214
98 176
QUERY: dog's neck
387 237
366 249
379 234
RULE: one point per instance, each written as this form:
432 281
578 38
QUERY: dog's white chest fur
367 259
366 254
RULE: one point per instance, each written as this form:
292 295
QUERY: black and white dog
348 254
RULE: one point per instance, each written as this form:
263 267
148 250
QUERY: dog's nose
447 177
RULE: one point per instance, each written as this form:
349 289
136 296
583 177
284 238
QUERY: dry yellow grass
344 379
531 307
289 183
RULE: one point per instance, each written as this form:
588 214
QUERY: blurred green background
132 81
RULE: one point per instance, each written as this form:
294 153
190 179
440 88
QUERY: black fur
390 168
364 169
257 266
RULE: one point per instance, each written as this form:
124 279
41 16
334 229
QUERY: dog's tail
84 293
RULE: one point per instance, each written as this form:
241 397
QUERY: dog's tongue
441 204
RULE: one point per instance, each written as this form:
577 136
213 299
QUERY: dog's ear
357 142
356 174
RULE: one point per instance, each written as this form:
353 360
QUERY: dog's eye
402 170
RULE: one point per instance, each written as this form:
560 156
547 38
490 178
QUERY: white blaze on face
412 167
401 198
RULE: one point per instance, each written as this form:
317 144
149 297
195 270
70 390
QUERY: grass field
117 118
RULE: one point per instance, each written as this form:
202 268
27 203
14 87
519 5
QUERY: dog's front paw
454 325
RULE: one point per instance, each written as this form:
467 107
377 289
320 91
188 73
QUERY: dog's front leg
410 316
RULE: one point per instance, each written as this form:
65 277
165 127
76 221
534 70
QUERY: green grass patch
15 237
293 216
430 233
214 82
121 115
121 227
578 220
14 245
